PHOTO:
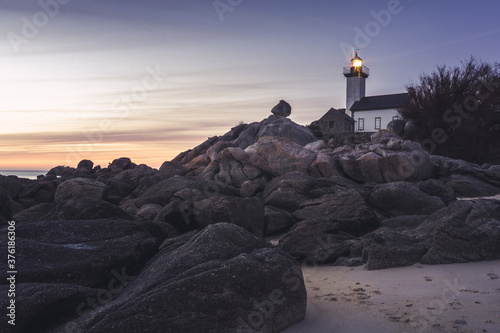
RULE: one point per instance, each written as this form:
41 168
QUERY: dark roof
393 101
341 111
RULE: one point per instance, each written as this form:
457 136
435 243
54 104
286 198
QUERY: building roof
340 111
381 102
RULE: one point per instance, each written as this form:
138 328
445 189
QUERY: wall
356 87
369 117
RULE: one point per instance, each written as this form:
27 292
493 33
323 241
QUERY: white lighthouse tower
356 82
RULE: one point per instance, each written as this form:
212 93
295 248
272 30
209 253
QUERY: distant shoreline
30 174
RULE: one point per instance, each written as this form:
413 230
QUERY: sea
30 174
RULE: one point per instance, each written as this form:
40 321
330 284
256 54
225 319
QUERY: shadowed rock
218 281
80 252
319 240
389 248
473 237
401 198
468 186
247 213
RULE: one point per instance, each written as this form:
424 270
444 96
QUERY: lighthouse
356 76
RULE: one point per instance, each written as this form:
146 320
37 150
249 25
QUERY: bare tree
456 110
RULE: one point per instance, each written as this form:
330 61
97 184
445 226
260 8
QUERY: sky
103 79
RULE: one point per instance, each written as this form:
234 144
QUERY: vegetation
455 111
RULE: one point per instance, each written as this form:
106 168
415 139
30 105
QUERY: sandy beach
419 298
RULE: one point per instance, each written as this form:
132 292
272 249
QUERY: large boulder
80 252
340 204
387 159
282 109
285 128
172 168
247 213
324 166
289 191
85 164
403 198
11 185
222 280
319 240
471 233
468 186
278 156
389 248
275 126
80 188
446 166
120 164
438 188
235 167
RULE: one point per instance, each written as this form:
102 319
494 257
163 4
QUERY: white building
370 114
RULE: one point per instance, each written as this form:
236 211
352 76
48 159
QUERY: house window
378 122
361 124
396 118
332 124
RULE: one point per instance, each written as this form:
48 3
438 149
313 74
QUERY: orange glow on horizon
152 155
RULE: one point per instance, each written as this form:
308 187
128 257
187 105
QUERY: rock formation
282 109
187 240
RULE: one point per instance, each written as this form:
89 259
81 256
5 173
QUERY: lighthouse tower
356 82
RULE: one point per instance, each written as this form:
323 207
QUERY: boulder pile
186 246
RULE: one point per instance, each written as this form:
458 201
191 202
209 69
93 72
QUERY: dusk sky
102 79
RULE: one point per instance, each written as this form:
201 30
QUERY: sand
418 298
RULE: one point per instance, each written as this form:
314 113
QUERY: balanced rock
282 109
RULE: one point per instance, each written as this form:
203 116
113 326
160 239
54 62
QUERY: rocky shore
214 240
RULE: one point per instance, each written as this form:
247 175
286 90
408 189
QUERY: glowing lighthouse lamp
357 68
356 61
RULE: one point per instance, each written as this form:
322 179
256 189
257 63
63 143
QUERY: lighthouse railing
349 70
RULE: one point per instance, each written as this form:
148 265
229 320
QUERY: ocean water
30 174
